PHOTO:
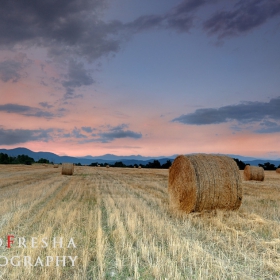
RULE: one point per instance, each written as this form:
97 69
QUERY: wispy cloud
117 132
268 127
246 112
87 129
10 71
246 16
179 18
18 136
77 76
46 105
30 111
103 134
77 134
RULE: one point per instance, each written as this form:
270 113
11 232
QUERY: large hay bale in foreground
253 173
67 169
204 182
278 170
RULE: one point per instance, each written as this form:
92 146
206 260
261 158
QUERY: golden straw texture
253 173
67 169
204 182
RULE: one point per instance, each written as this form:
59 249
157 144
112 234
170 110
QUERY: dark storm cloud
63 26
29 111
17 136
10 70
244 113
73 28
246 16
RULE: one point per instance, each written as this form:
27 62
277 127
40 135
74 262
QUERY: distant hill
108 158
254 161
242 157
111 159
50 156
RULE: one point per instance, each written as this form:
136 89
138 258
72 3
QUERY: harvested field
120 221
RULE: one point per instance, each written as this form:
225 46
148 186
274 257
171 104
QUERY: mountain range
111 159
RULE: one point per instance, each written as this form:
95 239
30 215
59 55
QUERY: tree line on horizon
265 166
154 164
20 159
24 159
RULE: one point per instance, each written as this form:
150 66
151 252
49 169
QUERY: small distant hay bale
278 170
253 173
134 166
55 166
139 167
67 169
98 165
204 182
107 166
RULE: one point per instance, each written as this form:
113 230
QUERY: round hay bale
278 170
67 169
139 167
204 182
55 166
98 165
107 166
253 173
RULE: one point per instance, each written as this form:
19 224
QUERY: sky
149 77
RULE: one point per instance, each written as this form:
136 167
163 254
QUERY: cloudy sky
149 77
